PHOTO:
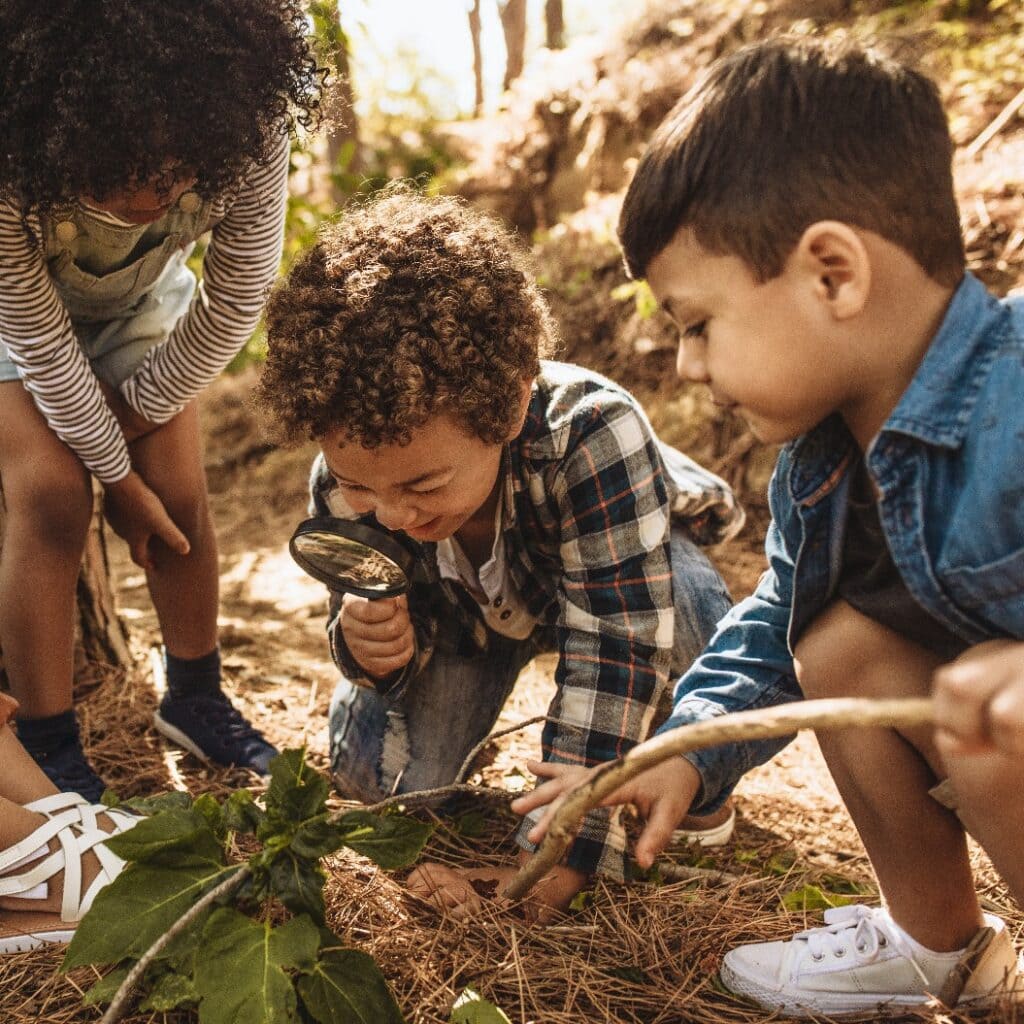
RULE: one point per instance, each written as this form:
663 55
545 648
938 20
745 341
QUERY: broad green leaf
175 800
317 838
781 863
346 987
299 885
390 841
583 899
177 838
241 813
171 991
106 988
810 897
472 1008
242 978
297 791
131 913
207 806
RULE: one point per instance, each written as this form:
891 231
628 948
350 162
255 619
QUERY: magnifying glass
352 557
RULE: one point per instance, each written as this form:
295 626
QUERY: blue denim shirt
949 467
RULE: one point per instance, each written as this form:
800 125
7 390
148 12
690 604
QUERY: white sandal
88 814
22 930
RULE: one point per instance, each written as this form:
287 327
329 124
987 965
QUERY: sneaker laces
867 929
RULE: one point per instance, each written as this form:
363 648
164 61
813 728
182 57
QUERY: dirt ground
641 953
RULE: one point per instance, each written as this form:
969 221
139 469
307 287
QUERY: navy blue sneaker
67 768
213 729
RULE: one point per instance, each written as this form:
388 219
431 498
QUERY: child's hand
138 516
979 701
662 795
462 892
378 633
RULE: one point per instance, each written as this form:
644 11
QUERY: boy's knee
190 512
835 653
368 744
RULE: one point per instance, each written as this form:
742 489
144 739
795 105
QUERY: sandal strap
74 843
88 814
49 805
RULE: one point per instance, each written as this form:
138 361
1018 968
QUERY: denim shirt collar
939 402
936 407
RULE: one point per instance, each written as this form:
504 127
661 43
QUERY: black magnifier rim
361 534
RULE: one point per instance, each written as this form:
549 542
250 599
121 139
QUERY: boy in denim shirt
795 216
543 512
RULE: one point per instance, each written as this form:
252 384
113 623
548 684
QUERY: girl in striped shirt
127 131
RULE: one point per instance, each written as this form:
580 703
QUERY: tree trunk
478 59
554 25
101 636
513 24
341 151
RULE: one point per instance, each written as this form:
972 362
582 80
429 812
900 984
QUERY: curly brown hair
405 308
97 95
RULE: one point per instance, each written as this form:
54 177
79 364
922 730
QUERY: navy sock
193 677
43 736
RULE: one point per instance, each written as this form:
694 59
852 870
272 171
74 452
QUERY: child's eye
429 490
697 330
344 485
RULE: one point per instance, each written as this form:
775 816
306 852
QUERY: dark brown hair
405 308
99 95
788 132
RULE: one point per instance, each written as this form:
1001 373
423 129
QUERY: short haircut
406 308
789 132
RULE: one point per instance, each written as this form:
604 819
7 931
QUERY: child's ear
526 392
837 262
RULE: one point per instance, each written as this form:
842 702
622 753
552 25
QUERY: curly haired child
795 216
127 131
535 496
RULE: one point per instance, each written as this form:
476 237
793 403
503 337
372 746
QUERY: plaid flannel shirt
589 496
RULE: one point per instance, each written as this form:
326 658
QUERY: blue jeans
420 740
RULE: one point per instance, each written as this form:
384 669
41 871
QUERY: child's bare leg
21 779
184 587
48 500
988 784
917 848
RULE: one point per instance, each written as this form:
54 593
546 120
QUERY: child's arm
37 332
238 270
746 664
979 700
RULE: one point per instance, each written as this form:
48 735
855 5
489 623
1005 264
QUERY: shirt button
505 615
66 232
498 601
189 202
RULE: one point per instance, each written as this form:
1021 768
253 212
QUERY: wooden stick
762 723
122 997
996 126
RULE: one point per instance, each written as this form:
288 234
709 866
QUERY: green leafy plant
261 951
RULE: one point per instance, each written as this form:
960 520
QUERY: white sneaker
861 961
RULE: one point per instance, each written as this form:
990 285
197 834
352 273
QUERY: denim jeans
420 740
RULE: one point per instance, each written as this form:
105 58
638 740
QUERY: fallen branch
763 723
997 125
119 1003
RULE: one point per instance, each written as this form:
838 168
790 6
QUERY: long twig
763 723
471 756
997 125
123 995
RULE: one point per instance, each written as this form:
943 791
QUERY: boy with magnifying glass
542 511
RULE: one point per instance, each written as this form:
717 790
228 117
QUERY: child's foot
858 962
69 770
213 729
707 829
49 879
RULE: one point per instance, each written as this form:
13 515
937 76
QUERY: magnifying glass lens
353 557
349 562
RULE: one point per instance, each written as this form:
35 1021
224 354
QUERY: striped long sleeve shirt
238 269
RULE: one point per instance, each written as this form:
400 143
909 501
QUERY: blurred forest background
536 111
